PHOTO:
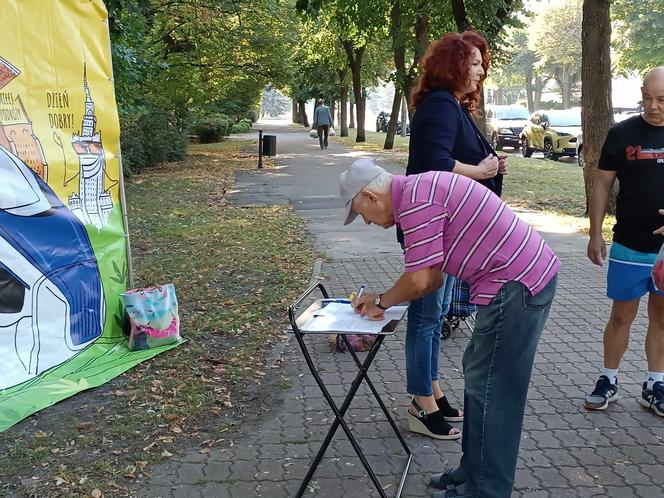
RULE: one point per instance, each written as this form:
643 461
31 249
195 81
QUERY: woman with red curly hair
444 137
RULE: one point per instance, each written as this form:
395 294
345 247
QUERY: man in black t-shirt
633 152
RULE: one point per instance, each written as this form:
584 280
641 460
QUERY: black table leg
340 412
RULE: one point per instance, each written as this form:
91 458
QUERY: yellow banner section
57 100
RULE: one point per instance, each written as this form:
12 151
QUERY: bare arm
599 201
660 231
411 285
487 168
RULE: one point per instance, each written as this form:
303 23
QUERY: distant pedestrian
633 152
456 226
322 122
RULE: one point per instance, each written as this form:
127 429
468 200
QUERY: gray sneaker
604 393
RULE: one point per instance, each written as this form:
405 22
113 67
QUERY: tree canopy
638 39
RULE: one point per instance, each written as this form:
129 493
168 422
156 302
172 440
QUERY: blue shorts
630 274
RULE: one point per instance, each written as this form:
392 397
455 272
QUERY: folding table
298 321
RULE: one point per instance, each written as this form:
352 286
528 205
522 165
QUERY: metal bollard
260 149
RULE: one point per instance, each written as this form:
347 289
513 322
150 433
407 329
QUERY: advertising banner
63 256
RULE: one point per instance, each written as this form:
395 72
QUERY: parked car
383 120
504 124
552 132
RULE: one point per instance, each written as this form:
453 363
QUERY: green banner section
107 358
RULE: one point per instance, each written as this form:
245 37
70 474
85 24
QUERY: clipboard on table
335 315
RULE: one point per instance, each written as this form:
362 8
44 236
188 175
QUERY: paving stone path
565 450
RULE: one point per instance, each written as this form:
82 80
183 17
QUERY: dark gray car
504 124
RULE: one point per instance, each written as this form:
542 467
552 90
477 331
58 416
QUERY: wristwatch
377 302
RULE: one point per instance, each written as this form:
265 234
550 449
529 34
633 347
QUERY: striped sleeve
423 224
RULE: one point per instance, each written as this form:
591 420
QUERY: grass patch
235 271
555 187
374 143
545 185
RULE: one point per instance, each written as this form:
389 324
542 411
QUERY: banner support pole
125 224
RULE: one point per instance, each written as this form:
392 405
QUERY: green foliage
149 137
176 63
517 60
213 127
555 38
556 34
243 126
638 32
134 155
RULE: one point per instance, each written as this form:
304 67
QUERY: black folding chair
339 412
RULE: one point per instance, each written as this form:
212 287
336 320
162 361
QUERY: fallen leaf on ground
148 447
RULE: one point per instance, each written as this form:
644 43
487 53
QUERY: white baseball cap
352 181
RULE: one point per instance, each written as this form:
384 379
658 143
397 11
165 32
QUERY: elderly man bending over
456 226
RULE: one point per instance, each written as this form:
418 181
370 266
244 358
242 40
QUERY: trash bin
269 145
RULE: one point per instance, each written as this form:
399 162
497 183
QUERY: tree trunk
564 82
332 107
354 56
399 56
460 16
296 113
538 89
304 121
499 97
480 115
392 125
351 107
361 120
344 104
404 117
596 86
422 40
530 90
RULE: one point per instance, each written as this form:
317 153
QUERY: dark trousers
497 365
323 132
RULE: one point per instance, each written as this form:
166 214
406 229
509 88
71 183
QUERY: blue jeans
425 318
447 295
497 365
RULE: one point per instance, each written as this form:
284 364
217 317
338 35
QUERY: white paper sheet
340 317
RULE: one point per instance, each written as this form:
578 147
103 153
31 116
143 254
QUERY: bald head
654 77
652 93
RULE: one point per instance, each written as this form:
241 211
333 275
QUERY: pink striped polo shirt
456 224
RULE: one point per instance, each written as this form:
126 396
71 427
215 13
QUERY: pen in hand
356 295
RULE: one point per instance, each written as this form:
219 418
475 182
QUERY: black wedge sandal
433 424
450 414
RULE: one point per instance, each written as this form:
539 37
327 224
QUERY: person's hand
488 167
502 164
364 305
597 249
660 231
